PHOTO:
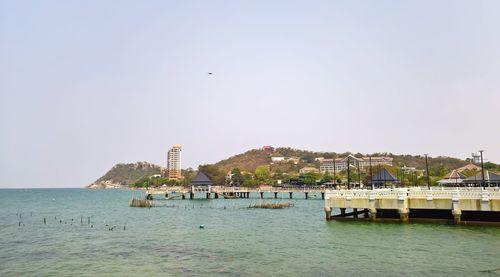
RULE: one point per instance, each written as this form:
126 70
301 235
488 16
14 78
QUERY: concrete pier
458 205
239 192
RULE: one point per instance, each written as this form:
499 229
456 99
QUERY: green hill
126 174
256 166
250 160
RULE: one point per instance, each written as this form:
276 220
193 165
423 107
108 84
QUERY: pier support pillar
216 195
275 194
355 211
208 195
404 215
261 194
323 195
457 216
307 194
248 194
291 193
366 214
328 213
373 214
342 211
191 195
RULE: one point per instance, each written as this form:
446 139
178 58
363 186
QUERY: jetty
455 205
215 192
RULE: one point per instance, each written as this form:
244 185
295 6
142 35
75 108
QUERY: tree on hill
326 178
263 175
248 180
213 172
237 178
310 178
151 182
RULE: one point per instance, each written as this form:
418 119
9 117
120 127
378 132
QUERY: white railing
419 193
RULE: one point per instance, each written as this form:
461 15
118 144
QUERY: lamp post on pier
482 169
427 171
348 174
371 176
334 171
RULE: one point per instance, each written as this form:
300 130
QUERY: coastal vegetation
123 174
256 167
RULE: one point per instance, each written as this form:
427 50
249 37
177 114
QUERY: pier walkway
232 192
457 205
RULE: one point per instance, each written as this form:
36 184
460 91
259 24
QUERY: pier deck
455 204
237 192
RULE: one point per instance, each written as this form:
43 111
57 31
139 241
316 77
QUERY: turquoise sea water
236 241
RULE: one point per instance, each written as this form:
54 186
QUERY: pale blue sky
87 84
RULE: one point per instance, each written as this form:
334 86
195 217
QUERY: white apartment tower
174 162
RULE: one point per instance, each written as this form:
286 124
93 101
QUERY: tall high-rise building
174 162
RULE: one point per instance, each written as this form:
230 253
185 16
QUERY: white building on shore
339 164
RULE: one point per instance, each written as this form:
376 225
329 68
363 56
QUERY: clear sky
87 84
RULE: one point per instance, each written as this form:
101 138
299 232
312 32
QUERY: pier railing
218 189
404 200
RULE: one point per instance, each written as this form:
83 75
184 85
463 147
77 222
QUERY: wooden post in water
183 196
275 195
355 211
216 195
307 194
323 195
291 193
191 195
261 194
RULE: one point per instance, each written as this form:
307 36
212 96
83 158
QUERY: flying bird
209 73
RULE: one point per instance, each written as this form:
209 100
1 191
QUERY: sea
89 232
